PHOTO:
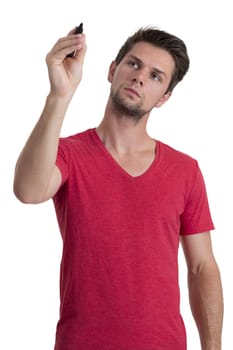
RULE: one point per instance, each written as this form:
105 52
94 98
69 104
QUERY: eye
155 76
133 64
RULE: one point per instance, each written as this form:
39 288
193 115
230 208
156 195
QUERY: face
141 79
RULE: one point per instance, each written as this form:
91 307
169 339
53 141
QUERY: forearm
36 177
37 159
206 302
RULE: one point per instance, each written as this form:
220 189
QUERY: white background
196 120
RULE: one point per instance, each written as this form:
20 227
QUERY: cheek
155 92
150 95
123 74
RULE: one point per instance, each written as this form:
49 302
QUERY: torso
121 232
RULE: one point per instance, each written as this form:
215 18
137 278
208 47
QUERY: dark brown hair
163 40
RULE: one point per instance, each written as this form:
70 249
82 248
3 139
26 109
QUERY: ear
111 71
163 99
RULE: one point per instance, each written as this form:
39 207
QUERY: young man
123 202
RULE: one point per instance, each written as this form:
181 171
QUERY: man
123 202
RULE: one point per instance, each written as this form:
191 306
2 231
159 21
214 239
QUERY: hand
65 73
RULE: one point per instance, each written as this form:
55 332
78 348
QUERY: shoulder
77 141
80 137
176 157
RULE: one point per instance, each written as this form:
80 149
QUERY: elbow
26 196
22 197
26 199
202 272
19 194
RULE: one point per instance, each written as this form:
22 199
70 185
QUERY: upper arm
54 184
197 250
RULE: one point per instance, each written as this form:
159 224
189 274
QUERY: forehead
153 56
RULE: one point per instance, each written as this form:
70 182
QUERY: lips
132 91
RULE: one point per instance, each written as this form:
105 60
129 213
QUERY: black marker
78 30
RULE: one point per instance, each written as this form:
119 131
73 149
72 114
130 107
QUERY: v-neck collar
119 167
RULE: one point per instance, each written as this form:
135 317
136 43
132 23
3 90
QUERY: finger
79 53
73 31
66 45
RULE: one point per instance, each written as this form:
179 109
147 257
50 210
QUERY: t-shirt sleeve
196 217
62 160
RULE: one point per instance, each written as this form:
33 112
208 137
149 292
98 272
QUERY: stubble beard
125 109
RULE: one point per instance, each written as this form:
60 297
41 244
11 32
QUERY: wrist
55 108
54 99
211 347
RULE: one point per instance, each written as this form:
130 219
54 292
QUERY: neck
122 134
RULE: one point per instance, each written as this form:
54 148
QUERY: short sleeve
62 160
196 217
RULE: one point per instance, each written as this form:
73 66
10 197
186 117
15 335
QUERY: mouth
132 92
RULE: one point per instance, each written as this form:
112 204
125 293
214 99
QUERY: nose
137 80
139 77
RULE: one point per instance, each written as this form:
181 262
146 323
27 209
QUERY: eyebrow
154 69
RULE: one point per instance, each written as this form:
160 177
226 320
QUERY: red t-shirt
119 270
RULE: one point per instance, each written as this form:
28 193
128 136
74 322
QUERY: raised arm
205 290
36 176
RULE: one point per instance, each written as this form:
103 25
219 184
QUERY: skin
137 86
144 84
